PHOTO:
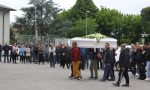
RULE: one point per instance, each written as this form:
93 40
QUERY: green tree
131 29
145 16
109 21
23 26
78 11
125 28
60 27
46 12
79 29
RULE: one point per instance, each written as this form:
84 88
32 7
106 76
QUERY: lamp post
36 32
86 22
142 39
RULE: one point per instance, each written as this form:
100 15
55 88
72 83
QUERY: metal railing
28 39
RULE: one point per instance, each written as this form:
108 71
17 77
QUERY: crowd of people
37 53
136 59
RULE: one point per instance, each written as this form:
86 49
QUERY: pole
36 32
86 23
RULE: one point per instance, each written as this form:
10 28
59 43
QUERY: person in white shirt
52 55
28 54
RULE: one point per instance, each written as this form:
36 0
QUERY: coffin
88 43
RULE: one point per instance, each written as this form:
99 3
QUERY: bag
99 56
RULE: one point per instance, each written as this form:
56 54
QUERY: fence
28 39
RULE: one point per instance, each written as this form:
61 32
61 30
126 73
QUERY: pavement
42 77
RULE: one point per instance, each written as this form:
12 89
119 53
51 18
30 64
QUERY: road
42 77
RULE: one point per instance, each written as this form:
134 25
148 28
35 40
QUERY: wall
1 25
6 27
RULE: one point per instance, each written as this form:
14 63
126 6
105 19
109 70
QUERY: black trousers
99 64
142 72
14 58
64 61
28 59
22 59
83 62
6 55
123 73
133 68
52 60
41 58
0 56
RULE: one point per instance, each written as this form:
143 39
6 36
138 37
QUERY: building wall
6 27
1 25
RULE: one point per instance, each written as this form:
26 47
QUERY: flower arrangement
96 35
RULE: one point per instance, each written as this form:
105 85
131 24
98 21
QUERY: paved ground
39 77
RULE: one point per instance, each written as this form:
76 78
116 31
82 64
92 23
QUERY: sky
124 6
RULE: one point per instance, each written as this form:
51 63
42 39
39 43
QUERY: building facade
5 24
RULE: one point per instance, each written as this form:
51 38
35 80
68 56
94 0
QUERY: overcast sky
125 6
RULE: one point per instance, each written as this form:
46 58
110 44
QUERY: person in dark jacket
93 64
124 61
87 58
142 64
1 49
108 58
41 54
112 65
57 54
133 61
63 55
6 52
138 57
82 58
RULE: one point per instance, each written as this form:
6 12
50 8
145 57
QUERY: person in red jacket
76 60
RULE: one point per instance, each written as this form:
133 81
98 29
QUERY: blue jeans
57 58
148 69
87 61
47 57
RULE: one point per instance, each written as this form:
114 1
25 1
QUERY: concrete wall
1 25
6 27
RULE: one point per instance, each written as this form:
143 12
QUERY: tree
78 11
125 28
145 16
131 29
79 29
77 15
60 27
109 21
46 12
23 26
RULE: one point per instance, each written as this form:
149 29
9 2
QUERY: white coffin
88 43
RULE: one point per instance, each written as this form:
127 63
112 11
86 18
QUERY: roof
5 8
